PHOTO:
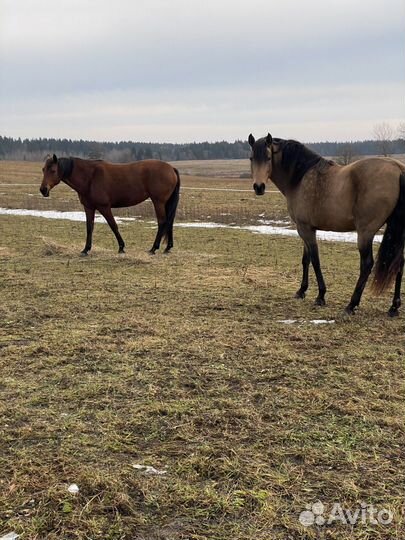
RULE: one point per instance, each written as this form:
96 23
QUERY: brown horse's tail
391 250
171 205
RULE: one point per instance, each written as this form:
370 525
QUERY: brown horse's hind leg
396 302
366 265
107 214
162 225
170 243
89 227
305 270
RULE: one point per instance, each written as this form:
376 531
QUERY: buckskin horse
322 195
102 186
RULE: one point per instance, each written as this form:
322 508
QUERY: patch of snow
314 321
55 214
147 469
330 236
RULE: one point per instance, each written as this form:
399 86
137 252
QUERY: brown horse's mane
65 167
297 159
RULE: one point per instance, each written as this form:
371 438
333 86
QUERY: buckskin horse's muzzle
259 188
45 191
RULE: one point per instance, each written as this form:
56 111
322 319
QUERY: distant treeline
37 149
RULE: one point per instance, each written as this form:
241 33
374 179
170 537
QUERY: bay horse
102 186
322 195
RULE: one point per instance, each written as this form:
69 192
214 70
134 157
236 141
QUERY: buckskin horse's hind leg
107 214
366 265
396 302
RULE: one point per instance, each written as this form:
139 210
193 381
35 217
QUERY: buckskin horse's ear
269 139
54 158
251 140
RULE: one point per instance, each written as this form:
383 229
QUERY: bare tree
346 154
383 134
401 134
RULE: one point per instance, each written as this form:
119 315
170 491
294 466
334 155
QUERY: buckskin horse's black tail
392 246
171 207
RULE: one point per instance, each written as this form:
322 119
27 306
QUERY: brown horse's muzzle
259 188
44 190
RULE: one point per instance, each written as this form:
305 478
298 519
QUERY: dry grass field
182 363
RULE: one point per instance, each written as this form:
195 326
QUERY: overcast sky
187 70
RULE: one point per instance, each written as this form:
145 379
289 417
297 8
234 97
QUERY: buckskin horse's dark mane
295 157
298 158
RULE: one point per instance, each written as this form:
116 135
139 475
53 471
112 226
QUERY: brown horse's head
260 162
51 178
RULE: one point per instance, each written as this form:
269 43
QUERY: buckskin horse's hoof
320 302
349 311
393 312
84 253
299 295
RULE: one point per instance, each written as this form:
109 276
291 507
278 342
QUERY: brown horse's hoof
121 252
299 295
84 253
151 252
393 312
349 311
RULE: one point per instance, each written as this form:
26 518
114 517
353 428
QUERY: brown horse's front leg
89 227
105 211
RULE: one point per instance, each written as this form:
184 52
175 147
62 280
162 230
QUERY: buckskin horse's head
51 177
260 162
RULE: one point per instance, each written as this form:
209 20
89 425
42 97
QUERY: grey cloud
194 62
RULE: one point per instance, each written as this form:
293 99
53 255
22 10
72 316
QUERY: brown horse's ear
54 158
251 140
269 139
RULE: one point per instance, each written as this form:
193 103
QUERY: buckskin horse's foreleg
308 235
89 227
105 211
305 271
